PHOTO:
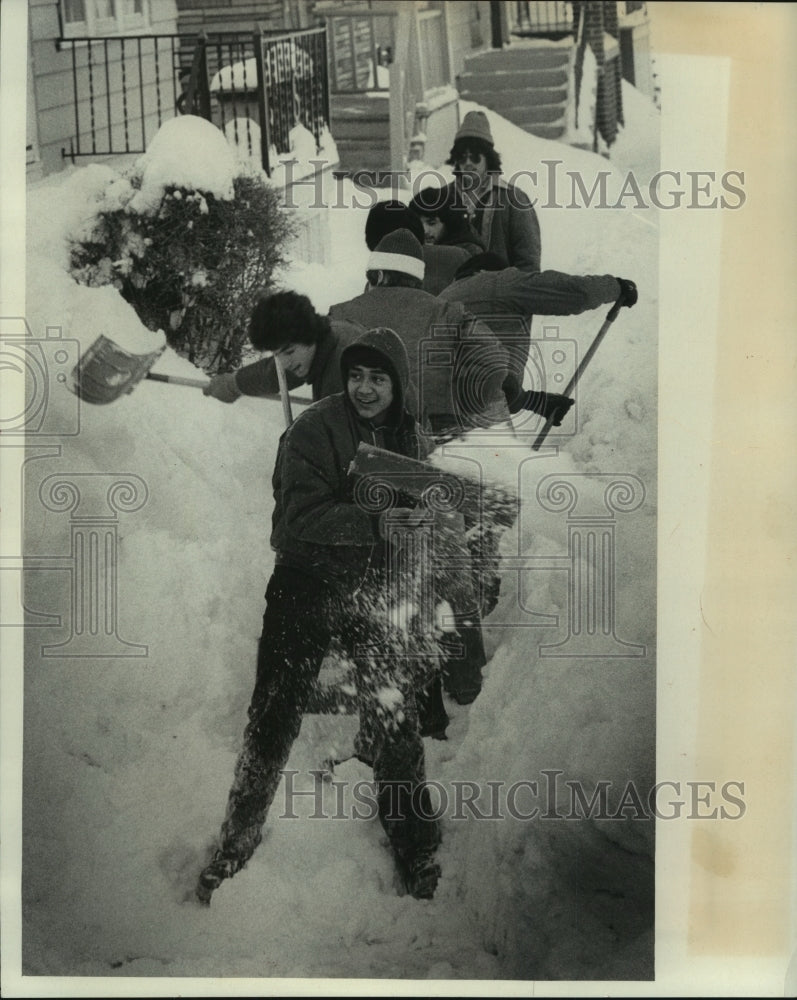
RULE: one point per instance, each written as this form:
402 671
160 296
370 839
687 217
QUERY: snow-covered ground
128 758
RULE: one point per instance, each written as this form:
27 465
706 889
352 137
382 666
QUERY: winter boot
419 873
463 661
211 877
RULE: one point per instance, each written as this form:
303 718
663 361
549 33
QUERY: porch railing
401 53
362 45
256 87
123 89
543 19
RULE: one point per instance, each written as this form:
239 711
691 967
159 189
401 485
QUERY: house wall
238 15
60 121
469 31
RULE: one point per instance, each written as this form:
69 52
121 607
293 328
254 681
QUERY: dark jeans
301 617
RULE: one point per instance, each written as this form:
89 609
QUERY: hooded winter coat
317 527
448 352
260 378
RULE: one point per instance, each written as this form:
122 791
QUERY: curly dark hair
443 204
285 318
474 145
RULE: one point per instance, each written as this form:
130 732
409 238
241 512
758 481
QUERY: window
103 17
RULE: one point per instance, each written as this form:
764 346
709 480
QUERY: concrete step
353 106
520 57
537 97
516 95
532 113
359 119
549 131
526 78
362 155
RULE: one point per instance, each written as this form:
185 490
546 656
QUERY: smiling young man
329 581
308 345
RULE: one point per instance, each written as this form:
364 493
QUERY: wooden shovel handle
178 380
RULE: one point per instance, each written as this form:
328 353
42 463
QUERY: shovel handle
611 316
287 413
196 383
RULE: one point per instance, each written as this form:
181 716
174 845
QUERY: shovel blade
106 371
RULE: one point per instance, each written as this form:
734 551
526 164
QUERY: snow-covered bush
190 259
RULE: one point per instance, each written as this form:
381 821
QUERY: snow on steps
527 83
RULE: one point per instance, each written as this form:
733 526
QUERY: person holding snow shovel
459 367
508 297
330 580
308 345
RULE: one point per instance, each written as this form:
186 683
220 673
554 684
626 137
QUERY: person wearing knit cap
500 212
441 262
446 402
399 252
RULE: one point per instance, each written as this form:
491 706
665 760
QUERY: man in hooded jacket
458 367
329 581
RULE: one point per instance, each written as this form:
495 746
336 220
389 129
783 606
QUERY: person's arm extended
554 293
257 379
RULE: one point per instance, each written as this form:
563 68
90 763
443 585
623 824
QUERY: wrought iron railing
124 88
256 87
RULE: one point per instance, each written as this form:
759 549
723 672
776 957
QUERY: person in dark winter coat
441 262
501 213
307 344
329 582
456 363
459 368
309 347
445 223
507 298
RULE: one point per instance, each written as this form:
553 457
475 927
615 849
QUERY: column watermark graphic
591 559
94 502
38 421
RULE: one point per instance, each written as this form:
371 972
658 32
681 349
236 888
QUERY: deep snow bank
128 758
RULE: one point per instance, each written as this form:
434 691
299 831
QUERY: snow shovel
382 474
610 318
106 371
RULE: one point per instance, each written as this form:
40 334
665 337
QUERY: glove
628 291
408 518
550 405
223 387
